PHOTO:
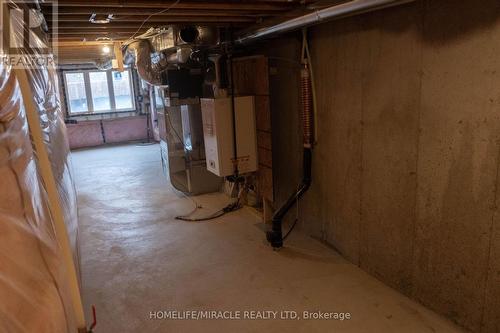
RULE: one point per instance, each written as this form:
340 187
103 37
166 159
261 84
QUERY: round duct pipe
142 51
350 8
188 34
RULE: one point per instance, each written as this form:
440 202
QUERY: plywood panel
263 113
265 180
251 77
264 140
265 157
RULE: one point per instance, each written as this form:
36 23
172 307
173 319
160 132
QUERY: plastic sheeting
45 88
34 285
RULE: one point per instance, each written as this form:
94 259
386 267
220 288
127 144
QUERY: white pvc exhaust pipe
350 8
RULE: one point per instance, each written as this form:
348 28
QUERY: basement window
93 91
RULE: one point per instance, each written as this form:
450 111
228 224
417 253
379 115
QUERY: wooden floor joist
70 20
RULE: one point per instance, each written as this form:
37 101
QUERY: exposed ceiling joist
142 16
219 5
72 10
128 21
73 15
123 31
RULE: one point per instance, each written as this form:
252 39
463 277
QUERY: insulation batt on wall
37 281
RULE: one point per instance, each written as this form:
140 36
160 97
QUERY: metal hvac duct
143 50
350 8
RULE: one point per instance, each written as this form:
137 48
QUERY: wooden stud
53 196
268 211
118 55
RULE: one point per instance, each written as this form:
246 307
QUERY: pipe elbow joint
275 238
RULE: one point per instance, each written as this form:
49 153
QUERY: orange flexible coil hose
306 98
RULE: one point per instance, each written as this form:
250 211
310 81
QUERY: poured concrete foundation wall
405 173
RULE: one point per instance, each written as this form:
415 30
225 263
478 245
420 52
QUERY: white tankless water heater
218 134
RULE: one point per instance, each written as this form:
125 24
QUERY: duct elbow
142 50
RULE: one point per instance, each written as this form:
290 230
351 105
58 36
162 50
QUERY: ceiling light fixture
103 21
104 39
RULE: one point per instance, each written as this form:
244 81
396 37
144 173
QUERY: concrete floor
136 258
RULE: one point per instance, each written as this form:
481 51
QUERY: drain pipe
350 8
354 7
275 236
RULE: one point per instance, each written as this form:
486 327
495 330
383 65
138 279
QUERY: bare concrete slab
136 258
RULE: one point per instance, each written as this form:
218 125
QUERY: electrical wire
296 216
172 125
156 13
231 207
196 205
291 229
150 33
186 148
